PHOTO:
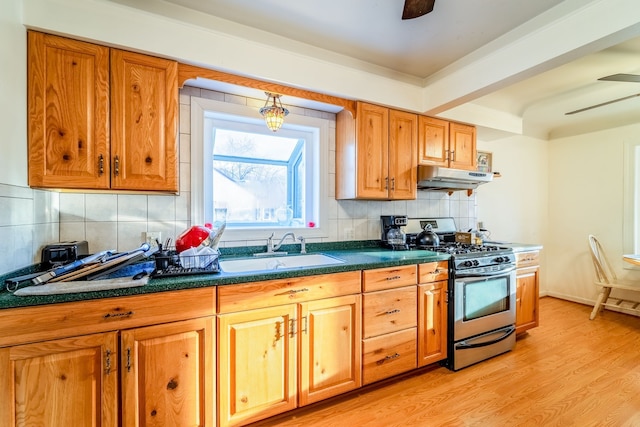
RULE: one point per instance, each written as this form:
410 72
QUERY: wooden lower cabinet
168 374
256 364
387 355
432 322
329 348
60 383
388 322
527 290
274 359
123 361
432 312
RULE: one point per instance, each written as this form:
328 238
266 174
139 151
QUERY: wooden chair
606 279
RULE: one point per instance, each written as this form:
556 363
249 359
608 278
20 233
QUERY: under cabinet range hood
447 179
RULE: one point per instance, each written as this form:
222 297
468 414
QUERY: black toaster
63 252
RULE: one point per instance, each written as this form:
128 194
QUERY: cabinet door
432 322
526 298
168 376
66 382
144 114
372 152
68 103
330 351
463 147
403 143
256 364
433 141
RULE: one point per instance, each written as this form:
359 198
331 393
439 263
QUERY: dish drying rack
170 263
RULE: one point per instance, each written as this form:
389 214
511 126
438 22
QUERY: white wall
585 197
13 89
514 207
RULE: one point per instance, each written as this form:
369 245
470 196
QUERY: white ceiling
416 50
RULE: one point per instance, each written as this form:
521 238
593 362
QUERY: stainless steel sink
278 263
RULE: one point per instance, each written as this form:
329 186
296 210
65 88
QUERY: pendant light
273 114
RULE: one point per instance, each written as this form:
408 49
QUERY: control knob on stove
501 259
471 263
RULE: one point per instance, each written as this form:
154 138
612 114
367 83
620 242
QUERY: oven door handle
465 345
473 272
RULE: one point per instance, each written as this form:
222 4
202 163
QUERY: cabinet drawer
270 293
389 311
387 278
433 271
29 324
388 355
526 259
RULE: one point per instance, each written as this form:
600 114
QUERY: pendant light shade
275 113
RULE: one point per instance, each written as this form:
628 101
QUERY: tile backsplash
31 218
28 220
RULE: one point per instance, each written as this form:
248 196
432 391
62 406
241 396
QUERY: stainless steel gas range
482 294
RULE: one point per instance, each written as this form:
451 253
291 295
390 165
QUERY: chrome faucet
272 248
277 246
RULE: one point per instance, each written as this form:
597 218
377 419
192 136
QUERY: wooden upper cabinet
463 146
376 154
100 118
68 113
403 147
433 141
144 126
446 144
372 151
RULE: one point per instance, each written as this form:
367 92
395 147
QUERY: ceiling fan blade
602 105
631 78
417 8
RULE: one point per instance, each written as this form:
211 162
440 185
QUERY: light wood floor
570 371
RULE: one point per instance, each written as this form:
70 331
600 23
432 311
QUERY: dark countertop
367 256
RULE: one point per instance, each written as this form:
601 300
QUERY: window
256 180
631 189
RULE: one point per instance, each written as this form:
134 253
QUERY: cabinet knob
100 165
116 166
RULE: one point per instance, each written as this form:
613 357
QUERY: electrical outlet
480 225
151 236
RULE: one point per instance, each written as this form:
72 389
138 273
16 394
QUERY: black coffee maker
392 235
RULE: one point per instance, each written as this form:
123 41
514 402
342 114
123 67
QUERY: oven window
486 297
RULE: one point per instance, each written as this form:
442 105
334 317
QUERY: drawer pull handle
108 361
387 358
128 359
127 314
294 291
394 311
393 278
292 326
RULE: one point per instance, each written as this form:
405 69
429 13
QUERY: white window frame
631 200
200 184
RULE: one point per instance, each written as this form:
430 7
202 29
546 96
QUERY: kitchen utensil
58 271
109 265
82 286
217 236
192 238
395 236
427 237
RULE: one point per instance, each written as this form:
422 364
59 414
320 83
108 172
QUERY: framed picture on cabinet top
484 161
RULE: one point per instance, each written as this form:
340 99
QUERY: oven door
483 303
